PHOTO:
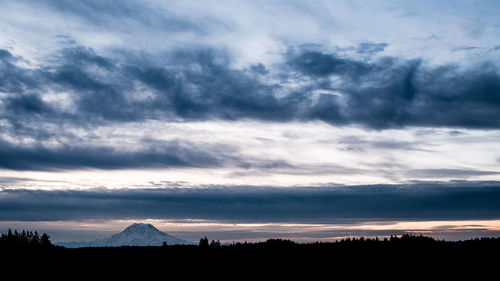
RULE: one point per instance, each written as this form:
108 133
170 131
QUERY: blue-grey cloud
319 64
359 144
458 200
14 79
450 173
198 85
165 154
395 93
371 48
465 48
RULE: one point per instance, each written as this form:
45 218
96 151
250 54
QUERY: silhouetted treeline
359 255
24 239
395 242
406 240
204 243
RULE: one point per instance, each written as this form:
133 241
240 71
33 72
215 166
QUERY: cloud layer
201 85
425 201
78 89
106 64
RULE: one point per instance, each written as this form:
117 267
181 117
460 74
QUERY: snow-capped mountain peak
141 228
137 234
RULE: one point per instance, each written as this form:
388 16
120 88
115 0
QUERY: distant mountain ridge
137 234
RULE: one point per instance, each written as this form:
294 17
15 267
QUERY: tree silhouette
45 240
24 239
204 242
215 243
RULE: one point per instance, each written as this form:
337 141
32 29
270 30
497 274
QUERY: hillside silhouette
358 255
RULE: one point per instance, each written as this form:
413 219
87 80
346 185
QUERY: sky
247 120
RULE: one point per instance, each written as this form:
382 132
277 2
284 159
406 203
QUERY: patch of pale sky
279 154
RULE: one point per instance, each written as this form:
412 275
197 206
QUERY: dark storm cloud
14 79
78 153
459 200
101 90
26 104
169 154
396 93
205 88
199 85
320 64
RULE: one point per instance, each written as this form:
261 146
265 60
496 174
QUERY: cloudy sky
246 120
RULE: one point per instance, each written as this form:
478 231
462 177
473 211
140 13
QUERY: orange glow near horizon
300 232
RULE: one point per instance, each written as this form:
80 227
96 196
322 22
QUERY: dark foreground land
413 254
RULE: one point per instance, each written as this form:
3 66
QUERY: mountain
137 234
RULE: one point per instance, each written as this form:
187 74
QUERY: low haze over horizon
246 120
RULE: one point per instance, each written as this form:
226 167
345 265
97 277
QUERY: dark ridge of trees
415 253
406 242
205 244
215 243
24 239
403 240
